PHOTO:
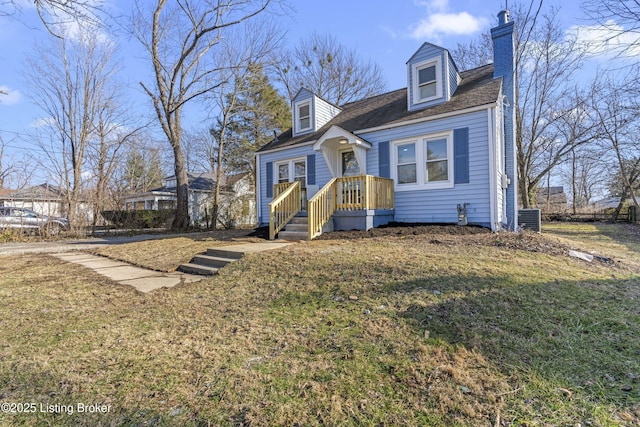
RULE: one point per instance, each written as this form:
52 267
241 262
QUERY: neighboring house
234 192
607 203
45 199
413 155
552 199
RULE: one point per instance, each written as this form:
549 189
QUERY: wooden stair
209 263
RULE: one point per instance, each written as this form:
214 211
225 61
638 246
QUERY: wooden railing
280 188
283 207
321 206
348 193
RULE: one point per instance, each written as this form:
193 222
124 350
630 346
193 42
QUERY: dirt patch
456 235
404 229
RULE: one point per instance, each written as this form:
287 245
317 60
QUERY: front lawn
441 330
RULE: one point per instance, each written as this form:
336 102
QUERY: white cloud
606 40
9 96
43 122
442 24
440 21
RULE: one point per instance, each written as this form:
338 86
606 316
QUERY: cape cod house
439 151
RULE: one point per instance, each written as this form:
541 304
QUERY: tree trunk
574 188
181 220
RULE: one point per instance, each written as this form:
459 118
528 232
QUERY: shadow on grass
624 234
581 336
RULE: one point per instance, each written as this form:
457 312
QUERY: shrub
139 218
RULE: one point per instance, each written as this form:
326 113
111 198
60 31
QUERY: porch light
343 141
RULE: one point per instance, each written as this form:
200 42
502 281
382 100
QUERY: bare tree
330 70
107 152
69 80
619 118
57 13
180 39
584 173
621 21
474 53
5 170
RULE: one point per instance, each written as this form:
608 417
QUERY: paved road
74 244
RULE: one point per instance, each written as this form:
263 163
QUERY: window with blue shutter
384 164
461 155
269 171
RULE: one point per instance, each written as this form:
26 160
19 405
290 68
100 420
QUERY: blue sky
386 32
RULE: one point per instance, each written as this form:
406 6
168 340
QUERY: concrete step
296 227
212 261
225 253
202 270
299 220
293 235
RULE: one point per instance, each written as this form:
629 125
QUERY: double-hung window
437 160
427 81
406 163
424 162
292 170
303 112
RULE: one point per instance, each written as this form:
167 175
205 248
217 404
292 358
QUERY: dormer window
303 110
427 81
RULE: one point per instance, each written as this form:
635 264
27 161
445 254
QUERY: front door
349 191
348 163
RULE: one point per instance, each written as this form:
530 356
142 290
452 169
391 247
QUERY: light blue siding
324 112
453 75
439 205
302 95
321 171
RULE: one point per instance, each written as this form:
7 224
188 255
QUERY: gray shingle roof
478 87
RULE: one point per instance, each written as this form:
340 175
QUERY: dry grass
618 241
414 330
167 254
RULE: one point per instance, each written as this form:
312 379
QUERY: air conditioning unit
529 219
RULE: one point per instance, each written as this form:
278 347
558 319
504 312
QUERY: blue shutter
311 169
384 166
269 167
461 156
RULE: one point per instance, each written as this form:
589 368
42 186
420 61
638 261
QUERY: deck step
200 269
212 261
299 220
293 235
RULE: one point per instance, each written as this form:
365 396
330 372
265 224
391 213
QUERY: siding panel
324 112
441 205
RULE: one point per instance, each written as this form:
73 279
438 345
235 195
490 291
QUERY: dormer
432 77
310 112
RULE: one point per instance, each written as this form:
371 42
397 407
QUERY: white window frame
291 165
421 162
298 105
416 83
